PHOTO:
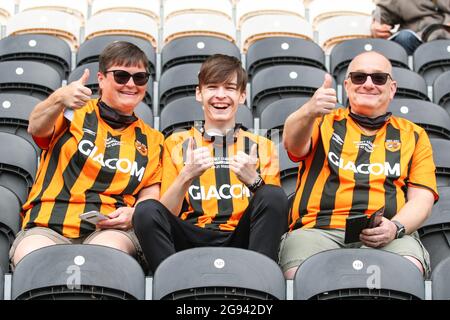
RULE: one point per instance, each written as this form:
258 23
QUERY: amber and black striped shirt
347 172
217 199
87 165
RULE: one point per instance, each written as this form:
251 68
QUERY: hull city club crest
392 145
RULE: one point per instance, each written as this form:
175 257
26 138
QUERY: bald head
370 58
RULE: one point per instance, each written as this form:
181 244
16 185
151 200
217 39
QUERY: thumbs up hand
244 165
76 94
324 99
198 160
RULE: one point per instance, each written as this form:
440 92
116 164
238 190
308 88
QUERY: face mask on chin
370 123
114 119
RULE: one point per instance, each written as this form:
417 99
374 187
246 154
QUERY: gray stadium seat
87 272
90 50
433 118
358 274
431 59
288 171
144 112
284 81
2 277
218 273
440 280
181 114
9 224
435 231
17 166
441 91
28 77
269 52
195 49
15 111
275 114
345 51
92 82
178 82
409 84
47 49
441 156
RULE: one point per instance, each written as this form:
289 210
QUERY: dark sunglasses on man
378 78
122 77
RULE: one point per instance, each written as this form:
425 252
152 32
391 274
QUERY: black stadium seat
288 171
275 114
345 51
218 273
435 231
90 50
269 52
195 49
345 274
81 272
17 166
2 283
409 84
178 82
43 48
441 156
92 82
28 77
284 81
15 111
440 280
144 112
9 224
181 113
431 59
441 91
433 118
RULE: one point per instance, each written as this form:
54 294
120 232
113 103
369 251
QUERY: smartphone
93 217
353 227
355 224
375 218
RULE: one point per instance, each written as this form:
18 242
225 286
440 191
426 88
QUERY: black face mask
114 119
370 123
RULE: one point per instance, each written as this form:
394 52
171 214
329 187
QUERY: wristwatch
259 182
400 229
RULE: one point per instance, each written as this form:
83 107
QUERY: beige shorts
60 239
300 244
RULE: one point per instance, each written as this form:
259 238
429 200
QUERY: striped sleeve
422 171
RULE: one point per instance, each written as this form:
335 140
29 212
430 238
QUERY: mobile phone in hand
375 219
93 217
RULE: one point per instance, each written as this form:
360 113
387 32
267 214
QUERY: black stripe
70 176
140 160
361 190
393 158
327 201
195 204
316 167
49 173
222 173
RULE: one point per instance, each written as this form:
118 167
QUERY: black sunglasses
378 78
122 77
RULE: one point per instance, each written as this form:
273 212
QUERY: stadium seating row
242 22
85 272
